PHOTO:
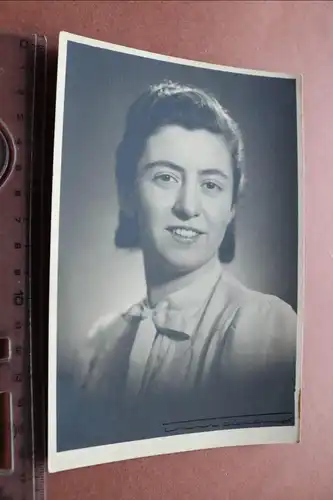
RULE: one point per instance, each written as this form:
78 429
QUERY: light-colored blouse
212 355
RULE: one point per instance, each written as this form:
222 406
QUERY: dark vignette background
94 278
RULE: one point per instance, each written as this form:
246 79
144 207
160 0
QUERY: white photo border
73 459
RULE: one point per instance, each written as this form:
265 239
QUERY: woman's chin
181 266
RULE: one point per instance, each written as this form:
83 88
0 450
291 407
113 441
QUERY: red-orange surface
5 437
284 36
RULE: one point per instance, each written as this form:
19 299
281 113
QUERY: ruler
22 373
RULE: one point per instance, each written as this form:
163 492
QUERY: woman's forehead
197 149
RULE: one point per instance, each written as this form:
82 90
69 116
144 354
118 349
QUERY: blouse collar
178 314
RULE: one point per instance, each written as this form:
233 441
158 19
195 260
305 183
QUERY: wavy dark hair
170 103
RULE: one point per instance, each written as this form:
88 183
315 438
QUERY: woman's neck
159 287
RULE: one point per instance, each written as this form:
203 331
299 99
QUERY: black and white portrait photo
175 256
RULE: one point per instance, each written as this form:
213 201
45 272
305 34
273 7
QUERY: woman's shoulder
252 301
99 343
102 327
260 318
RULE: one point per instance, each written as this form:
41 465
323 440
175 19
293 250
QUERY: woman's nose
188 204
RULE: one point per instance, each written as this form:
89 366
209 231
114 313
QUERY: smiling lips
184 234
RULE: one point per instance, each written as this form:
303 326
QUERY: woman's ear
232 214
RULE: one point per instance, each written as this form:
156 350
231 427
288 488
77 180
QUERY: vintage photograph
176 244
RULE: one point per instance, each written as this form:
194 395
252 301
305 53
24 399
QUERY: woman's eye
164 179
212 186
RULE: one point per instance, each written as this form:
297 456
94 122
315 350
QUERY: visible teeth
185 233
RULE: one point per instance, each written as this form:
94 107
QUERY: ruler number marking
24 43
18 378
19 350
20 402
18 298
19 430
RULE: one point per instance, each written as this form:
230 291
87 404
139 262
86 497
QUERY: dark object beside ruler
22 375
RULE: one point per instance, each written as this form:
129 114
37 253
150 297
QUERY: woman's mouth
184 234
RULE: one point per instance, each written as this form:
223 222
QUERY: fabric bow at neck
177 316
168 320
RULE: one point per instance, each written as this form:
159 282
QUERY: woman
200 346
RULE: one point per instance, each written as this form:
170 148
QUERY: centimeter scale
22 331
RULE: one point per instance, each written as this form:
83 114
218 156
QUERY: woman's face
184 197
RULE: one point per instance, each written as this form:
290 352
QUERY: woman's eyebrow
164 163
178 168
214 171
